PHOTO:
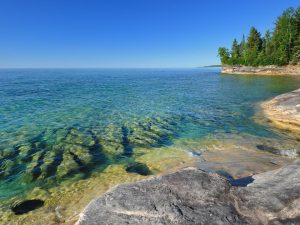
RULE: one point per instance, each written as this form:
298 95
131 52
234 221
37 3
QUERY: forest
280 46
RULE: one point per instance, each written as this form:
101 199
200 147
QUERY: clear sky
126 33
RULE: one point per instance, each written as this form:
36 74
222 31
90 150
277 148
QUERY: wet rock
27 206
149 134
192 196
24 151
81 152
67 166
112 140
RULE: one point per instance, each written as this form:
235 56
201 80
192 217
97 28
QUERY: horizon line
194 67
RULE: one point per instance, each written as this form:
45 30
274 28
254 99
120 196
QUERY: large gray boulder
192 196
189 196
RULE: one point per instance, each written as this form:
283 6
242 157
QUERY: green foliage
242 47
224 56
235 57
279 47
296 47
253 47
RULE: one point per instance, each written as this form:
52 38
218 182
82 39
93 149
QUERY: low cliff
263 70
192 196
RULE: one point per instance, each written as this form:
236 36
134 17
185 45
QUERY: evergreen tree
280 47
224 56
242 46
253 47
268 49
296 46
235 57
283 36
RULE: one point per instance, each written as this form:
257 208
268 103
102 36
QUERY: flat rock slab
191 196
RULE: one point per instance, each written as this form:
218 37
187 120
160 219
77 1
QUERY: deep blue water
59 123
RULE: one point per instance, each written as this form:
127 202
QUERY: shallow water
64 126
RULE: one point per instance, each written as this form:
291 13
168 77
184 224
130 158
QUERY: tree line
278 47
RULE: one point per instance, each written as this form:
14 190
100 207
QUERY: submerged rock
191 196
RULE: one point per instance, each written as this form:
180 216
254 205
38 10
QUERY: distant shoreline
262 70
211 66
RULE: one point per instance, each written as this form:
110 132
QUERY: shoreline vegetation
279 48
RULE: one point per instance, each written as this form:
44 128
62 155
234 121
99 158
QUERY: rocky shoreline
193 196
199 196
262 70
284 111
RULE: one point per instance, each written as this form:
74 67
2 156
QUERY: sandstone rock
284 111
262 70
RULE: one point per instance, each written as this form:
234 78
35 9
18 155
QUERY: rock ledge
192 196
284 111
262 70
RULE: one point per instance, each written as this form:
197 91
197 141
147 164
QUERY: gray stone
191 196
273 197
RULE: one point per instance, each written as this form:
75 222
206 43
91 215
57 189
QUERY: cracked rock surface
192 196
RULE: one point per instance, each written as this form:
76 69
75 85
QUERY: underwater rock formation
63 152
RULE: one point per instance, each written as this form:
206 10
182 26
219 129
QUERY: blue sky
126 33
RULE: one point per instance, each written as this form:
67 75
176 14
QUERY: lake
64 127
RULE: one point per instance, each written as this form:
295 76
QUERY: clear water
65 124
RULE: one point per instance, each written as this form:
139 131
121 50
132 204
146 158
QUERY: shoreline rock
192 196
262 70
284 111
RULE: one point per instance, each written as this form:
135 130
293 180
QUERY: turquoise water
65 124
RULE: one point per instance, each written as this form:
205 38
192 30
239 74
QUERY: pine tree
224 56
242 47
267 50
279 47
235 57
296 44
253 47
283 37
